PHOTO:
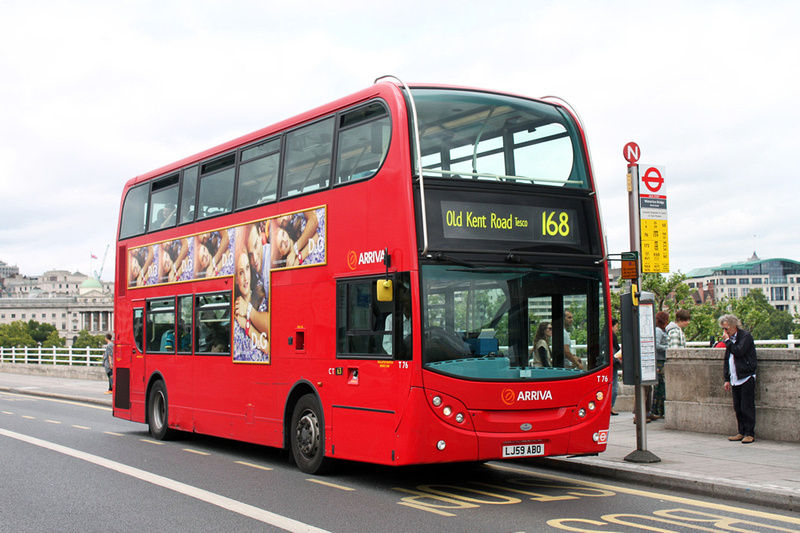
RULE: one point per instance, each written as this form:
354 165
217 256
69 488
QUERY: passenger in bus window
403 297
540 353
568 319
249 343
165 217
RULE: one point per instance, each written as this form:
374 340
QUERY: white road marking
243 509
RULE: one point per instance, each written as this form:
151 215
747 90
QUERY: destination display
483 221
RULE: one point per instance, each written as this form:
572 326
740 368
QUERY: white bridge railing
94 356
53 356
790 342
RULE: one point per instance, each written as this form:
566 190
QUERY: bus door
374 351
129 366
215 394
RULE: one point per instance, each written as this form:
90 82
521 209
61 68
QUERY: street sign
652 179
630 266
631 152
653 231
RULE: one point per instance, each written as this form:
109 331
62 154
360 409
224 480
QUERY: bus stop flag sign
631 152
653 219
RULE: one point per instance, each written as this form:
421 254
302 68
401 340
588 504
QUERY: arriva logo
509 397
352 260
355 260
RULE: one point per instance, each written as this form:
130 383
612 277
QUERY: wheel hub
308 434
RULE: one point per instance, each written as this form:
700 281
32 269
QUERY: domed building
70 302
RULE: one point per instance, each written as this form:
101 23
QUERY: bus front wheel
308 436
158 411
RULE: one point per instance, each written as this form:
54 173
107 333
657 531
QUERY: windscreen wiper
449 259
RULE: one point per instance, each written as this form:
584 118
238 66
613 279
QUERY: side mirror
384 290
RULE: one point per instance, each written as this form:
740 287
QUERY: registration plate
523 450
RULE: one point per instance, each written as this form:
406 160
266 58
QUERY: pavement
764 472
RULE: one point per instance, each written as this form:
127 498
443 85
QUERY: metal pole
640 455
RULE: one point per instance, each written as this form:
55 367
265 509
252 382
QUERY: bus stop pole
641 454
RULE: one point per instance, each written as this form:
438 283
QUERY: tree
16 334
703 325
86 339
753 310
40 331
671 292
53 340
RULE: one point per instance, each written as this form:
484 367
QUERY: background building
778 279
8 271
70 302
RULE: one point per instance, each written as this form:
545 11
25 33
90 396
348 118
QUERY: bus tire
308 436
158 411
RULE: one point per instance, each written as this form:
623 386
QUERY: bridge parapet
697 402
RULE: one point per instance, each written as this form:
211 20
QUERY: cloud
96 93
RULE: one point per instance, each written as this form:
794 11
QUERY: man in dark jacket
740 376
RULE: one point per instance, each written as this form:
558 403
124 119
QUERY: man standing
674 330
740 376
108 362
568 318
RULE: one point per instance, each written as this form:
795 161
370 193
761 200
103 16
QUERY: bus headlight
460 417
437 401
440 445
447 411
591 406
582 412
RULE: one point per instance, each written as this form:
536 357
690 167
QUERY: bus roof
382 87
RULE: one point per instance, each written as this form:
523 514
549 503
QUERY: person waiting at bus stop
108 362
739 365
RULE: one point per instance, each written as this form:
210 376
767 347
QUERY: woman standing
660 390
540 353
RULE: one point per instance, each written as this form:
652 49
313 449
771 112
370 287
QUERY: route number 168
552 226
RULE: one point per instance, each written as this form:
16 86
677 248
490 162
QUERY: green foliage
578 332
670 292
53 340
754 310
40 331
703 325
31 334
16 334
85 339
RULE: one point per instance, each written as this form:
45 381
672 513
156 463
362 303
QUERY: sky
93 93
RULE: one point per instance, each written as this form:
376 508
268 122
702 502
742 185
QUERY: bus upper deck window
308 158
163 203
216 187
188 195
258 174
363 142
134 212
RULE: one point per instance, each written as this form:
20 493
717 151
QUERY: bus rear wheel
308 436
158 412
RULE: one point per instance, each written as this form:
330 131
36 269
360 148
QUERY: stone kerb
697 402
59 371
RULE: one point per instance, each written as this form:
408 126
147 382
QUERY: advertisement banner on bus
249 253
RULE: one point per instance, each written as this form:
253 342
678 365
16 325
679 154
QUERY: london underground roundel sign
653 180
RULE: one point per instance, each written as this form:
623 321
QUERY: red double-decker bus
411 274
